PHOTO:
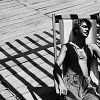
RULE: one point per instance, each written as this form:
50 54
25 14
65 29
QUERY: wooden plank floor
26 45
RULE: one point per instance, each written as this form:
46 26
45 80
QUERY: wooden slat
54 38
8 5
30 2
18 18
65 6
49 3
12 12
26 29
20 37
76 9
4 1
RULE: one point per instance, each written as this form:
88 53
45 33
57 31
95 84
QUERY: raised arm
95 49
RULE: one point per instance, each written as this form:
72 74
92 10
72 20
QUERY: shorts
78 87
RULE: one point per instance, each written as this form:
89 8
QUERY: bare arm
95 49
61 56
59 62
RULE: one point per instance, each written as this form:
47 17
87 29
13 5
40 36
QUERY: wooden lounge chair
65 23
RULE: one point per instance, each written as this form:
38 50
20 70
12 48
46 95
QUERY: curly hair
78 22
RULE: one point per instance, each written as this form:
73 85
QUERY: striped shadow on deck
26 68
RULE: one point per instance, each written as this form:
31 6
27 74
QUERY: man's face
84 30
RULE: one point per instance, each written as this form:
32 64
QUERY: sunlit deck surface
26 45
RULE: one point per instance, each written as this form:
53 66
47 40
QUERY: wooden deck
26 45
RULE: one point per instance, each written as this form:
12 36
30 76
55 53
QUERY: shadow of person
46 93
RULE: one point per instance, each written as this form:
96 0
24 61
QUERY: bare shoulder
64 48
95 49
93 46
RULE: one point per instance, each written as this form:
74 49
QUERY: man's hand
62 89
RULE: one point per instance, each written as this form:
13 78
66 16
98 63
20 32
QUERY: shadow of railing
44 92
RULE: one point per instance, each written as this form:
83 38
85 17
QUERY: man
76 58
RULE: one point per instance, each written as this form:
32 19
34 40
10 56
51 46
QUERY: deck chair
65 27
